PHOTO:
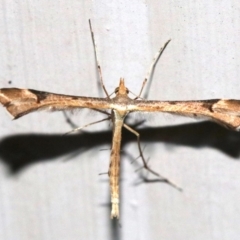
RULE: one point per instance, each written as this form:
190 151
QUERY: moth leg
73 125
89 124
152 68
97 60
69 120
145 162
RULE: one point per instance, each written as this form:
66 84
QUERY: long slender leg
144 161
89 124
152 67
69 120
97 60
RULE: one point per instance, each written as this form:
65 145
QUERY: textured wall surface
49 184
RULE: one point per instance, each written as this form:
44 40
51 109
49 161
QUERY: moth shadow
196 135
20 151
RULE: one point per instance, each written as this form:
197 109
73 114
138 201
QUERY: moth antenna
150 72
97 60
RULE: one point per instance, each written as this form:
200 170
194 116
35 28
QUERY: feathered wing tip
228 113
18 102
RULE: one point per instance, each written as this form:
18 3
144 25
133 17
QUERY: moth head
121 89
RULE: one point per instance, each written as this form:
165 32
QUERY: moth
20 102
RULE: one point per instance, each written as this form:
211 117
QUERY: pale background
49 184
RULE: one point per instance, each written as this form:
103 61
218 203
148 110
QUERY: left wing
19 102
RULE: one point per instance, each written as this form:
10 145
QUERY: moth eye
116 90
127 90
